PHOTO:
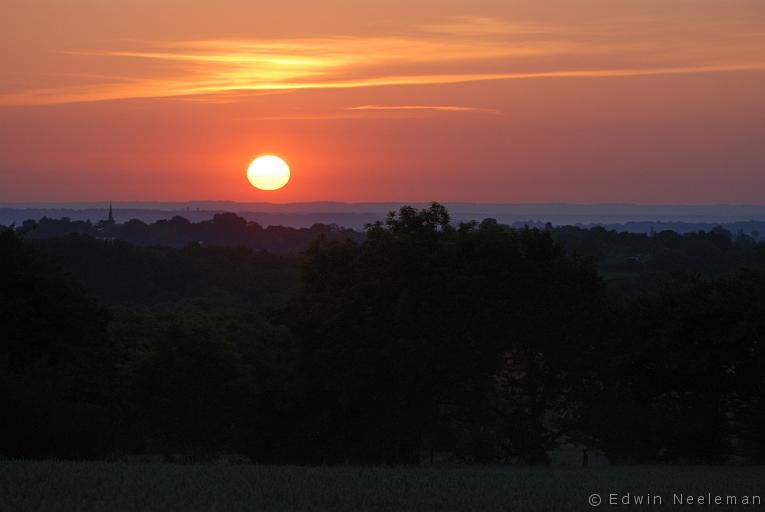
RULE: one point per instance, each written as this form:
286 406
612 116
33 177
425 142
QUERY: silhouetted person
585 458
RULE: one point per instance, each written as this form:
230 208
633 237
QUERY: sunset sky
646 101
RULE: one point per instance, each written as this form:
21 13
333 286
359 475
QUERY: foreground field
83 487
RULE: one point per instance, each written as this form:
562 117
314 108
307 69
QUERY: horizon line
12 204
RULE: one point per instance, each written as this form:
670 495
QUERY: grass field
82 487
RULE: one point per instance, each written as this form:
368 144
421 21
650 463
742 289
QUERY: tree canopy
419 340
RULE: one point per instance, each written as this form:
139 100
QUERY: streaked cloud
438 108
452 51
378 111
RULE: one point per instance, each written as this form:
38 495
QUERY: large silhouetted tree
398 335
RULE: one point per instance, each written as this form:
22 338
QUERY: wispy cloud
454 51
438 108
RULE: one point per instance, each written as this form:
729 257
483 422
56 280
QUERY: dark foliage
401 335
224 229
56 363
415 341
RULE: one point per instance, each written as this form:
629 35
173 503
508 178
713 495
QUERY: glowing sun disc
268 172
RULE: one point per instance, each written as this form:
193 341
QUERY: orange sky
650 101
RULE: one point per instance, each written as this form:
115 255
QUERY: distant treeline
417 341
224 229
752 228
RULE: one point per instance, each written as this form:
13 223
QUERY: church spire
111 214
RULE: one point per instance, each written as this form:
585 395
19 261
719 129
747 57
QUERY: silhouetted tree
398 332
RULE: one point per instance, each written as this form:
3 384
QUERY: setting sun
268 172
